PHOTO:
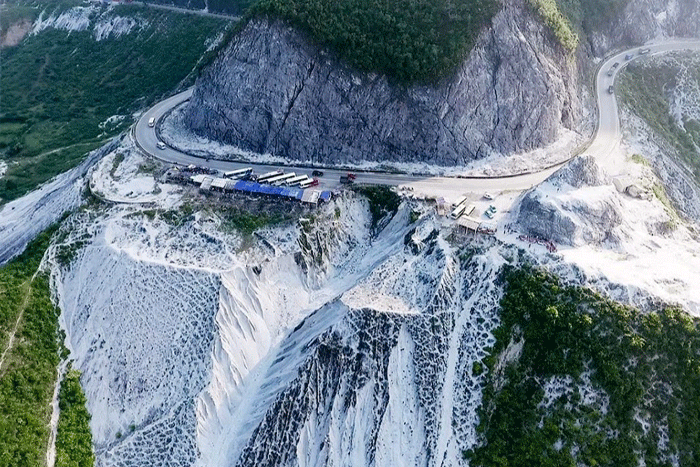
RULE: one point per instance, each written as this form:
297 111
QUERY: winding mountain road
605 141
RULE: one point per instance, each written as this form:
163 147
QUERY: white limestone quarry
189 345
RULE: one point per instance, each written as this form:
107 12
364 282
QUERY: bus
308 183
459 207
268 175
280 179
240 173
296 180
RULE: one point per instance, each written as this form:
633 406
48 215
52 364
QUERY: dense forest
409 40
614 366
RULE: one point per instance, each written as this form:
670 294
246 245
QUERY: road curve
605 141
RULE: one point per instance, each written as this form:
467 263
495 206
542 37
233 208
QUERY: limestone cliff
272 91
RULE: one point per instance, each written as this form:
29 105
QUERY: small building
206 184
468 224
219 183
441 206
310 196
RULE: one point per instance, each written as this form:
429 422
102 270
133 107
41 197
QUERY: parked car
317 173
488 196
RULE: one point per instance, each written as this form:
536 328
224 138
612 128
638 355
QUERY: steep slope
273 91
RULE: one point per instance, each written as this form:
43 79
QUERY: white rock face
102 21
22 219
322 344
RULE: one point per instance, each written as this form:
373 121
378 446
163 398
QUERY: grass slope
28 372
648 365
73 437
408 40
58 88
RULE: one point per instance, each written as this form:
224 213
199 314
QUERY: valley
492 261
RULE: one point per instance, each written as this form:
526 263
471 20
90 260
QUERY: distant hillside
230 7
79 74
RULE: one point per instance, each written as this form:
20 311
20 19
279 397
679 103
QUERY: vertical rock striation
272 91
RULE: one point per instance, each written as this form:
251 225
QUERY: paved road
605 141
607 138
176 9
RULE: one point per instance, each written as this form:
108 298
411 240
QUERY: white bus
459 207
280 179
268 175
296 180
240 173
308 183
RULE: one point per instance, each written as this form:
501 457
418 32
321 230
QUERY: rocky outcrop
581 171
586 215
272 91
643 20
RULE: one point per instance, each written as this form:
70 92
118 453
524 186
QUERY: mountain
275 90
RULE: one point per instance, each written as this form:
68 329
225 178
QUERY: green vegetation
247 222
382 201
59 89
549 12
13 14
644 89
408 40
73 438
28 372
645 362
587 16
639 159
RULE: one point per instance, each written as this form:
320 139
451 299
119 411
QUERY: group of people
551 247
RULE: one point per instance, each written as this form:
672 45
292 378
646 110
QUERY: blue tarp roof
287 192
252 187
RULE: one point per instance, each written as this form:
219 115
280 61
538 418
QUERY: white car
488 196
160 145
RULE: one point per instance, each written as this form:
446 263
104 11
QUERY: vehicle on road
616 64
345 180
644 51
266 176
160 145
238 174
351 176
611 89
629 56
611 71
317 173
309 183
152 122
